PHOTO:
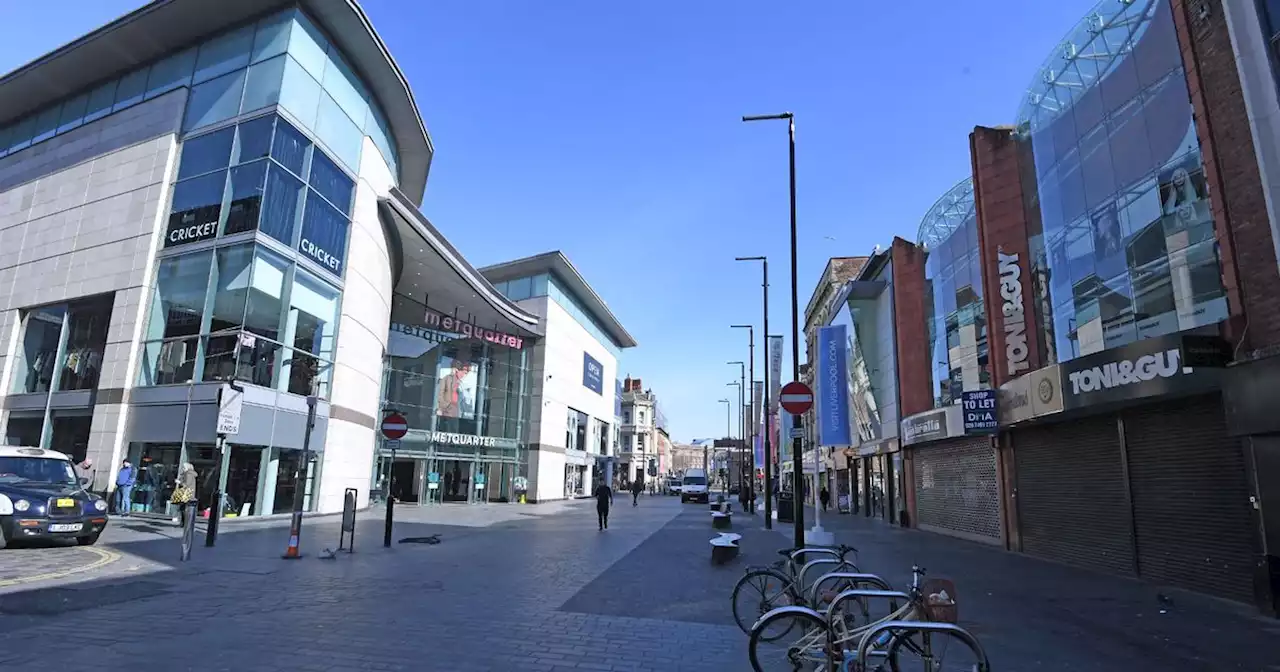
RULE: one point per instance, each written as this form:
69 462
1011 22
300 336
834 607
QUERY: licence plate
65 527
65 503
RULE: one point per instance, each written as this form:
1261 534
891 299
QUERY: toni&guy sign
1015 324
1145 368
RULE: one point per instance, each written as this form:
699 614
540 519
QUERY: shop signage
441 322
321 256
889 445
617 398
1033 395
979 411
1015 324
1145 368
592 374
454 439
940 423
186 232
833 386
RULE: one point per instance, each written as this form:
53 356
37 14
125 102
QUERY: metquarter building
204 196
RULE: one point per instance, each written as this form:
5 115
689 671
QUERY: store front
955 475
1137 474
878 481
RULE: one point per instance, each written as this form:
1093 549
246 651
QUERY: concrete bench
725 506
721 521
724 548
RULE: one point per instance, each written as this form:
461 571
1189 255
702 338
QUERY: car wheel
88 540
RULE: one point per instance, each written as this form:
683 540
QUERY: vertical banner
832 379
757 396
775 372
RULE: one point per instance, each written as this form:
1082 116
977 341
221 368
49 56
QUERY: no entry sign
394 426
796 397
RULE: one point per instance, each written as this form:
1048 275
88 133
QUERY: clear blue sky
610 130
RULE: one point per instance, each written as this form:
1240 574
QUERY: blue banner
832 377
592 374
617 399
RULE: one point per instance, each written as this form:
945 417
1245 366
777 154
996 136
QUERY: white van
694 486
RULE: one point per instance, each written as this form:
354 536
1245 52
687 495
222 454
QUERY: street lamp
741 426
796 446
768 456
728 425
751 421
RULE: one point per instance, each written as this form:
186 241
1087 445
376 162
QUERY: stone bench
721 521
724 506
724 548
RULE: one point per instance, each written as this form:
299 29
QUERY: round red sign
394 426
796 397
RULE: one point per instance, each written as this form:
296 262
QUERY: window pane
263 87
6 132
46 125
272 37
539 285
520 289
341 83
246 197
206 153
197 204
182 283
313 312
131 88
231 282
100 101
299 93
86 341
309 46
255 139
324 234
331 182
283 204
290 148
214 101
39 349
338 132
171 73
266 309
21 134
224 54
377 128
73 113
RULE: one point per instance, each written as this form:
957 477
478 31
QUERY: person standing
125 478
637 487
604 499
825 497
184 491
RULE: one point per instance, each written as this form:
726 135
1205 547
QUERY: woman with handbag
184 491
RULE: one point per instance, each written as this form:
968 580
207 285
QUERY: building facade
643 434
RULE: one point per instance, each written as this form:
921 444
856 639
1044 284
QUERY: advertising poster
775 372
456 388
833 387
592 374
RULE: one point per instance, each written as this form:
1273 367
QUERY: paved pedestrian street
540 588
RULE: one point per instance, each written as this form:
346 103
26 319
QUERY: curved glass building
955 321
1121 229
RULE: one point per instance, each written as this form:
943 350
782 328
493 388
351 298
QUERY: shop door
957 489
480 483
1191 510
1071 497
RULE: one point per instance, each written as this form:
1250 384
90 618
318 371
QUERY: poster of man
456 389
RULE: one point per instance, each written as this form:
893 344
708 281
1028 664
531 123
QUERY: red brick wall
914 388
1231 169
1002 225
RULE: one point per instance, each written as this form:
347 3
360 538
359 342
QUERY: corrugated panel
1190 498
957 488
1071 494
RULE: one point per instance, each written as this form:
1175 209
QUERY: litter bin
786 508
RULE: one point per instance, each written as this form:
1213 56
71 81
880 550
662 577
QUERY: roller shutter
958 489
1190 498
1071 494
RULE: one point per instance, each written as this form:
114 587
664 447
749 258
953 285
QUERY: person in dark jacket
604 499
825 497
637 487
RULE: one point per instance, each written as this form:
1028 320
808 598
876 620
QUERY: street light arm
767 117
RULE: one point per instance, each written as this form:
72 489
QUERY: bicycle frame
900 627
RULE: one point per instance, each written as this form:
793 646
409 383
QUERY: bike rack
864 646
857 578
892 595
809 566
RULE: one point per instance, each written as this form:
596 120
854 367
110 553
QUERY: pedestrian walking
637 487
604 499
184 491
125 478
86 473
825 497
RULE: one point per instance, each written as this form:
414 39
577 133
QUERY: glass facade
545 284
282 60
1122 235
955 320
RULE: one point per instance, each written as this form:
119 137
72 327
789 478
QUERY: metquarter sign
1015 324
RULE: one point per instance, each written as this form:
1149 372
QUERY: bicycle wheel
791 640
757 593
931 652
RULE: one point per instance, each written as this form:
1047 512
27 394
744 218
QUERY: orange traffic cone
291 552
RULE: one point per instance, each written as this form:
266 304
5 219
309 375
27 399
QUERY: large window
251 177
240 312
62 346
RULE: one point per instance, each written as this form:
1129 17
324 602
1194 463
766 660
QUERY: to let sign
980 415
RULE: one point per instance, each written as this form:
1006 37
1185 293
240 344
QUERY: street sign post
796 398
394 427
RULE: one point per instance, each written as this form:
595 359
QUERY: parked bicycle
785 582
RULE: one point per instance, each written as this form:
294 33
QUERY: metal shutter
1190 498
957 489
1071 494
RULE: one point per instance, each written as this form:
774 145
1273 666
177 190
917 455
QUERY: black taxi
42 497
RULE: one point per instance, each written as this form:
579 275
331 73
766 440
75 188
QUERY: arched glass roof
948 214
1087 54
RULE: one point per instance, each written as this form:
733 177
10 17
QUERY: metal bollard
386 535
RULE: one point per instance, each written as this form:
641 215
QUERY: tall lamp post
796 445
728 429
741 426
751 420
768 456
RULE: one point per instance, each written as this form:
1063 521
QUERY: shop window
341 83
231 286
246 197
272 37
87 325
338 132
226 53
158 467
329 180
283 207
290 148
254 139
313 315
324 234
299 93
263 83
206 153
42 332
23 431
70 435
214 101
308 45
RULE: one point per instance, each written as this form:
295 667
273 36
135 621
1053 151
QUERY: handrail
857 578
864 646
